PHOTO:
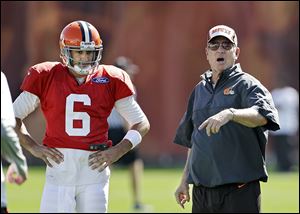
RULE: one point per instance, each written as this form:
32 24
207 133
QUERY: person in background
11 150
117 130
225 129
286 99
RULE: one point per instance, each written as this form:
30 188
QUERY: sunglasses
215 45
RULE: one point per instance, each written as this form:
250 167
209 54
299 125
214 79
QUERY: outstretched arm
248 117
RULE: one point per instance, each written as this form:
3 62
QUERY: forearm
185 170
25 139
126 144
142 127
249 117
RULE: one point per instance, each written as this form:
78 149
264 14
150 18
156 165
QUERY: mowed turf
280 194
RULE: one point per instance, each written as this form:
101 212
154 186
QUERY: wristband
134 137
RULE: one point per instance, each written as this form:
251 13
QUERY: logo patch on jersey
100 80
228 91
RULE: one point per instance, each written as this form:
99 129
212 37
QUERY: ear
237 53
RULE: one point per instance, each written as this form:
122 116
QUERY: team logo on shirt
228 91
100 80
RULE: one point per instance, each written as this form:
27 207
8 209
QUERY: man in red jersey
76 98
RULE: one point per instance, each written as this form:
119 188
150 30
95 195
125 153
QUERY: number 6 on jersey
71 115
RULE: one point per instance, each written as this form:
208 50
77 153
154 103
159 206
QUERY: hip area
74 170
228 186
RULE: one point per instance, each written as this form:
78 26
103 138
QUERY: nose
85 56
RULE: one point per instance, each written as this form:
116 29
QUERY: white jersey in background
286 100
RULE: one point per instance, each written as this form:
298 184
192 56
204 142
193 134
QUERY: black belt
101 146
239 185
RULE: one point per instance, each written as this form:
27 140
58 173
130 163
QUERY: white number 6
71 115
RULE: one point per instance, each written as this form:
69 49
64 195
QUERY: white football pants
72 186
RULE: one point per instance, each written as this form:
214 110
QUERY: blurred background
167 41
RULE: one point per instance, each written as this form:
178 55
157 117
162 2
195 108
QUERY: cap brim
223 35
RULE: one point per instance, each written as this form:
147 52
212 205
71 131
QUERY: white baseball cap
222 30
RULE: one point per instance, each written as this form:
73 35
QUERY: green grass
280 194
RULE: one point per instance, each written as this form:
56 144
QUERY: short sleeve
33 82
124 87
185 128
260 98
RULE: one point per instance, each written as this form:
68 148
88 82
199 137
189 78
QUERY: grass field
279 195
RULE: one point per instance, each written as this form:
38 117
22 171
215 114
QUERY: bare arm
25 139
36 149
248 117
182 194
125 145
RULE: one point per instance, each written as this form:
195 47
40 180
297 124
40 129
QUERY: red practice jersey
76 115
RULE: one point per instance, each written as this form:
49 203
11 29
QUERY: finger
51 155
57 152
95 160
188 197
213 127
56 160
19 180
203 125
182 201
177 197
208 129
55 155
10 178
94 165
92 155
218 128
45 159
101 167
182 206
95 154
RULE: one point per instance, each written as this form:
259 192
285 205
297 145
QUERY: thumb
188 197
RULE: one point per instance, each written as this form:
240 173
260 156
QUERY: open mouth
220 59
